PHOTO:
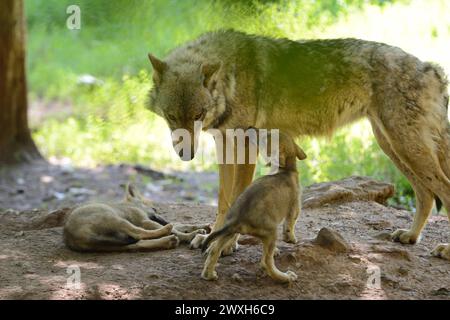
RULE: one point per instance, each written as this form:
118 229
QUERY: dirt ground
35 264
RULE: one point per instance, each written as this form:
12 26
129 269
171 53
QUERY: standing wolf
230 79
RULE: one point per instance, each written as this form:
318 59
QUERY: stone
354 188
236 277
331 240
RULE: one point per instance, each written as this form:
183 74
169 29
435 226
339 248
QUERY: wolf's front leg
242 178
226 176
187 237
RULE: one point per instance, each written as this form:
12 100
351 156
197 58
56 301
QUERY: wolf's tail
226 230
158 219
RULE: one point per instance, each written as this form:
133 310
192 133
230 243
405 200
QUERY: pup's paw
230 249
200 231
167 228
172 242
263 266
188 237
289 238
442 251
276 252
291 276
197 241
210 276
404 236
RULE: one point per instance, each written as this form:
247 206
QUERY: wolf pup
259 210
126 226
229 79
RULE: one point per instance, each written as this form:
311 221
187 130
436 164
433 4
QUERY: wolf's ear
301 155
159 67
208 71
131 192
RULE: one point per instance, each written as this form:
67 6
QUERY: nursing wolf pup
229 79
259 210
126 226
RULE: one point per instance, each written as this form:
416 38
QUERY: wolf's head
185 93
133 197
279 149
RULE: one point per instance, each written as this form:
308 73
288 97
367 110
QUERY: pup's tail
226 230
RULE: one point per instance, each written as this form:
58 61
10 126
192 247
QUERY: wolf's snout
185 155
185 151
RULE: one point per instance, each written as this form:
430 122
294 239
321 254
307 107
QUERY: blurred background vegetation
106 122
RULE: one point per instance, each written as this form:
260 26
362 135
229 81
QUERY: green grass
109 124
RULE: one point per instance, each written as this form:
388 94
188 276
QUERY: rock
379 224
393 252
347 190
441 292
81 191
403 271
383 236
331 240
236 277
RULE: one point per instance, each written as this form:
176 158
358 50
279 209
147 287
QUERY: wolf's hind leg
187 228
268 262
289 226
187 237
424 196
182 235
443 250
150 225
139 233
168 242
209 270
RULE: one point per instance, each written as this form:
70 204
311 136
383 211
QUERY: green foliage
109 123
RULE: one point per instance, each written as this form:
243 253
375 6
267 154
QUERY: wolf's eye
171 117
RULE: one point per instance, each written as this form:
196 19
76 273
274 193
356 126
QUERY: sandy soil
36 265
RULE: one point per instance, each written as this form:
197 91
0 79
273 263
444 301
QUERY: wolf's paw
230 249
276 252
197 241
167 228
404 236
290 276
442 251
172 242
190 236
289 237
210 276
200 231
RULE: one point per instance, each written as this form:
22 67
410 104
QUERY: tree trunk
16 144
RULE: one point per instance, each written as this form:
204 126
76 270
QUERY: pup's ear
301 155
208 71
159 67
131 192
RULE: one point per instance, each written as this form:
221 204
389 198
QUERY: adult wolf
229 79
